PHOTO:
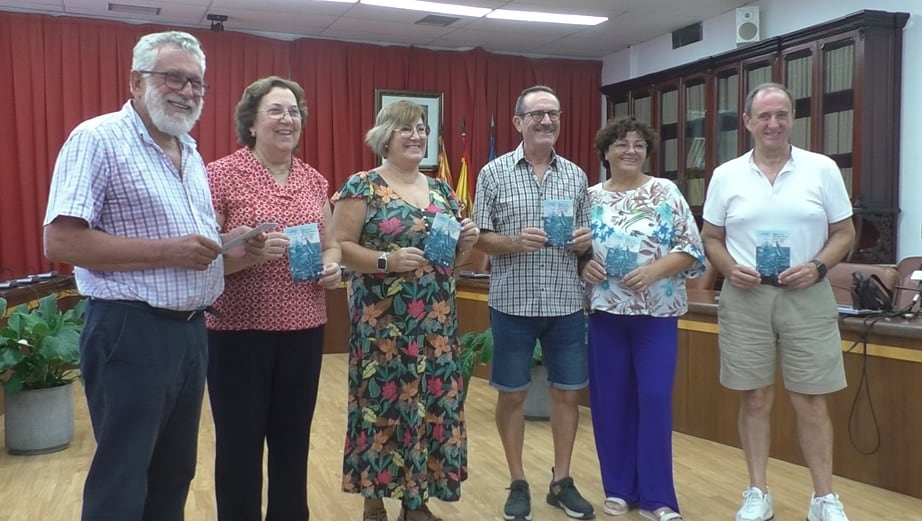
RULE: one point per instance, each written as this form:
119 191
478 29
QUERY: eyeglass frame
624 146
293 113
191 82
420 130
553 114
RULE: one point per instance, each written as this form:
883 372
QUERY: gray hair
148 47
747 108
520 102
391 117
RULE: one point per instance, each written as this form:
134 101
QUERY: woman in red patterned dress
266 342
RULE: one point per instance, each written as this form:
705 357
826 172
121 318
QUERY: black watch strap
820 268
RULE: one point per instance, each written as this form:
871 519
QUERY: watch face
382 263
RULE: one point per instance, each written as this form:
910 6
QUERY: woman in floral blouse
405 434
645 244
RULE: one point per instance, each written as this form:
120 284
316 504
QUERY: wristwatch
820 268
382 262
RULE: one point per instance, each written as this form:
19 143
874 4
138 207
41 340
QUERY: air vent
434 19
134 9
686 35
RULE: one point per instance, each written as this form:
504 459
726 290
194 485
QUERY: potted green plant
39 353
477 349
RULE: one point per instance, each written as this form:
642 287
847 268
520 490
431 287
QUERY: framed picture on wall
432 107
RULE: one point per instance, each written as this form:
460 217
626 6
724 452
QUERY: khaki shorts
800 324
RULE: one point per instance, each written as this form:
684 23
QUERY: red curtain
58 71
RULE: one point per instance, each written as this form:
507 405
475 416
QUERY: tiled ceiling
630 21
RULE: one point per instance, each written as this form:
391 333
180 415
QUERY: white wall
778 17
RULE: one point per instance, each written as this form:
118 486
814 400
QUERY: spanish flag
444 168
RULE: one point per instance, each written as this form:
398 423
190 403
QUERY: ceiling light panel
535 16
430 7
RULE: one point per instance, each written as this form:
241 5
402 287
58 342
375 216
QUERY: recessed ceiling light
134 9
557 18
430 7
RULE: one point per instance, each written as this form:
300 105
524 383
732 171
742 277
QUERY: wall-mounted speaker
747 25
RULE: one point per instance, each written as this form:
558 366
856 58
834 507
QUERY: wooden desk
703 408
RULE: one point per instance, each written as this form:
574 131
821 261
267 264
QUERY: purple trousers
632 363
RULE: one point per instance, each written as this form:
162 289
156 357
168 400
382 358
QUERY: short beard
173 125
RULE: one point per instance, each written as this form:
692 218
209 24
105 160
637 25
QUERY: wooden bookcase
845 77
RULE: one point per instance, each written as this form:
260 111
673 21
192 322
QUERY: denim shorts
563 346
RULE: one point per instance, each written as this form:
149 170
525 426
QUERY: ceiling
630 21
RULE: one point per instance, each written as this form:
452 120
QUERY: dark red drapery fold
57 71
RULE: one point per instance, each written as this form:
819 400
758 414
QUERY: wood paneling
708 476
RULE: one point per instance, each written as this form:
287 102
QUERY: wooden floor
709 477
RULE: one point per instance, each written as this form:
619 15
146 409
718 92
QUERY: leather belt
173 314
771 280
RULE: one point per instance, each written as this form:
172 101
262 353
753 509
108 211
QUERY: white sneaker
826 508
756 506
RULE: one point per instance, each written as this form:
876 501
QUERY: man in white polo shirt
775 219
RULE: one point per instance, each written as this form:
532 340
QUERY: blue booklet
442 240
305 255
773 254
621 257
558 221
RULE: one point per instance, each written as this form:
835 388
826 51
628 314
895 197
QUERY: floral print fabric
657 217
405 434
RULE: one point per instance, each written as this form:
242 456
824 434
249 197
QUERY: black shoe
518 504
563 495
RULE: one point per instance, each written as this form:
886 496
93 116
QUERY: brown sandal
417 514
375 514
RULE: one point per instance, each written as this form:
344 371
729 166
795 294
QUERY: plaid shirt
542 283
112 175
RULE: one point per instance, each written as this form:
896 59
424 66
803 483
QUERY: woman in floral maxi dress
405 434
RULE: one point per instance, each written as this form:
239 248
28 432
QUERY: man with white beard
130 208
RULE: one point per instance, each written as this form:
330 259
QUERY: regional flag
463 189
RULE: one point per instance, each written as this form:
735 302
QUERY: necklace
613 186
278 172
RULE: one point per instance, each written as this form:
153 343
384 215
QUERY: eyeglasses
279 113
177 81
538 115
624 146
407 132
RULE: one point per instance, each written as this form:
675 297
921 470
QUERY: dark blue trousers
263 388
632 363
144 376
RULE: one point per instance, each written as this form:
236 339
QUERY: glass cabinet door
669 133
798 78
643 106
839 107
728 117
695 143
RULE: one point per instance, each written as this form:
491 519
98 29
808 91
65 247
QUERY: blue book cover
305 255
558 221
621 257
773 254
442 240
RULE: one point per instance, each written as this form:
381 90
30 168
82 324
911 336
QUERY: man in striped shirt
535 293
